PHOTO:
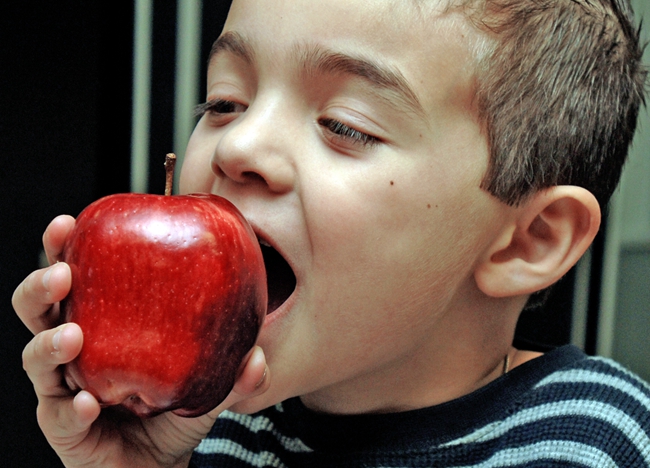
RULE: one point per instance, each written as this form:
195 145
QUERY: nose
256 149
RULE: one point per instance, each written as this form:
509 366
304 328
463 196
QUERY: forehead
396 19
419 39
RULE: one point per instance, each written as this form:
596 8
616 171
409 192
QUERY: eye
347 133
218 107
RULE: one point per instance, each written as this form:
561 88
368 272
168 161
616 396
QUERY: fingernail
56 339
46 278
259 384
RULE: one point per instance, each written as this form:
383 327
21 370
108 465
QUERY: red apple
170 293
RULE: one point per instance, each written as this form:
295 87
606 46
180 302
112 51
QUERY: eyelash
216 106
348 133
341 130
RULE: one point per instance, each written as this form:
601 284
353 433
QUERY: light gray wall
632 332
628 337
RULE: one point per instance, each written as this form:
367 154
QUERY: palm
118 440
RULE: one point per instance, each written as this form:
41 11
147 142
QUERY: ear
547 236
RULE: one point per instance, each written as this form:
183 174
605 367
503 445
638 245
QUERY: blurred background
94 94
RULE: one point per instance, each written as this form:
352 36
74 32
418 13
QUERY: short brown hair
559 92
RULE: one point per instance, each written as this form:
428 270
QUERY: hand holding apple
170 293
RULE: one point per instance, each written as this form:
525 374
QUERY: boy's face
345 133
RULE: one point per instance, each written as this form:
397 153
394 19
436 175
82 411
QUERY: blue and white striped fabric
563 409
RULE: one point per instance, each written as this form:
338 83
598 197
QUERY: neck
468 355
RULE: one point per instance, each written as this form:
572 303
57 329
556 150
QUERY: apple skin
170 293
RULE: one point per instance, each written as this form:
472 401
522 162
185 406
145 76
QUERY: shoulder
591 383
590 409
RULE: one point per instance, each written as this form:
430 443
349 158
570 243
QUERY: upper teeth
264 243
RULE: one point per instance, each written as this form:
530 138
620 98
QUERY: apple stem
170 163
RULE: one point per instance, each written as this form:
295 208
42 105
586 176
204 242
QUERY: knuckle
28 356
19 294
42 416
35 349
25 358
28 288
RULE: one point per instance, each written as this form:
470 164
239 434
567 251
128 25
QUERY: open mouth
281 280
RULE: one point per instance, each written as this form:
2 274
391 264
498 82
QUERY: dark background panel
65 110
163 68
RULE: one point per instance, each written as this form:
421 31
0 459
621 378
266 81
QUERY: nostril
252 176
216 169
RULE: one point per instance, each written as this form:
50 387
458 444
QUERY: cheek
196 171
387 279
395 241
380 245
386 218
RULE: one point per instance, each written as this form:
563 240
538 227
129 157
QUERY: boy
419 169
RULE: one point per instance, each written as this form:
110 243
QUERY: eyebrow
235 44
316 59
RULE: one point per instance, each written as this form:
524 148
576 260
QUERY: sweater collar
427 426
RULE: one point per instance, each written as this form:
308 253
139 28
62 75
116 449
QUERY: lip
280 312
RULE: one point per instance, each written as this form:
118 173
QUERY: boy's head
350 135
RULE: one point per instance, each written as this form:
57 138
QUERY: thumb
252 380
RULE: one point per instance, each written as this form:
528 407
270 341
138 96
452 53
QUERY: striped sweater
562 409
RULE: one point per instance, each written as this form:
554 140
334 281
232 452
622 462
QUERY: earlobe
547 236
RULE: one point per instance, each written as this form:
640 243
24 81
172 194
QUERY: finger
253 375
55 235
254 379
45 353
34 297
66 422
